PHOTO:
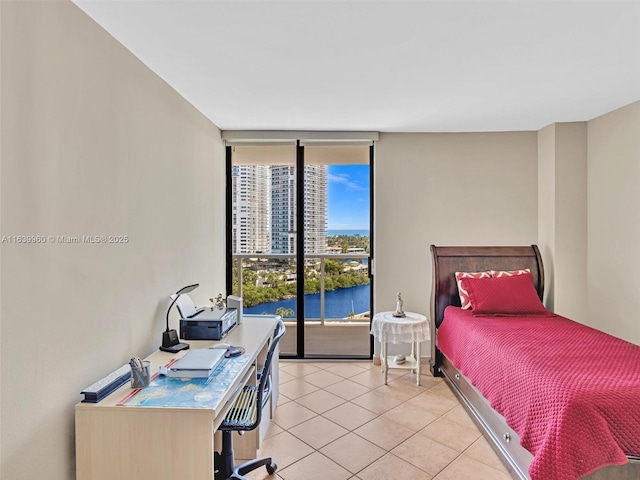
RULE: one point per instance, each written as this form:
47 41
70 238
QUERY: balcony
326 334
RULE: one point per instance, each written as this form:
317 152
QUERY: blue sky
348 201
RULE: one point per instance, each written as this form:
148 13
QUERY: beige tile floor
338 421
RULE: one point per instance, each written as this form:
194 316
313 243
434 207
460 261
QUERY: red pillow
465 303
504 296
509 273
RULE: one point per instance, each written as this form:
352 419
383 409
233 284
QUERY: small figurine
399 304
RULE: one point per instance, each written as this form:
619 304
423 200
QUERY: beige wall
570 265
613 226
447 189
562 216
93 143
546 207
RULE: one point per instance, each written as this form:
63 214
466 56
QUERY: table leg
386 364
413 354
382 357
418 348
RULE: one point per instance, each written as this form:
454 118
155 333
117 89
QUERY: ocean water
362 233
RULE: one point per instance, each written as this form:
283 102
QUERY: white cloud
345 180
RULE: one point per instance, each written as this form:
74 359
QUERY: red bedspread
571 393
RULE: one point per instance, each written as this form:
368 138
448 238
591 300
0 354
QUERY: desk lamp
170 342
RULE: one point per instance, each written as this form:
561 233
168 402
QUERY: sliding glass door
261 233
337 224
299 243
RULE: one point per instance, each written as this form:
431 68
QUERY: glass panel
337 299
264 233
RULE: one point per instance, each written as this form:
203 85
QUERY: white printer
205 323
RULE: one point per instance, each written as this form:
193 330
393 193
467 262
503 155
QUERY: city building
250 221
315 208
283 209
283 201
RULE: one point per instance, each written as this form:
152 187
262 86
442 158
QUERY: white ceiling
421 66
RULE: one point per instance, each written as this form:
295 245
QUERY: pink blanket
571 393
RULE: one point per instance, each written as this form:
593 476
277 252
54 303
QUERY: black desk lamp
170 342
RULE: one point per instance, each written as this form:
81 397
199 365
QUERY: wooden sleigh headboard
448 260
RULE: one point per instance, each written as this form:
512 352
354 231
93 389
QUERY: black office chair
245 415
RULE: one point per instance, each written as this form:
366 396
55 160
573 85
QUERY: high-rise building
264 208
315 209
283 208
250 221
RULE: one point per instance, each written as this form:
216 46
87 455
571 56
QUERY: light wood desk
166 443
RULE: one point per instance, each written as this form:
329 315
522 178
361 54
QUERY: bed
473 378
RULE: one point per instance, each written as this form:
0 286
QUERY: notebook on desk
196 363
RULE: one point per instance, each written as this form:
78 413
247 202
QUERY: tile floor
338 421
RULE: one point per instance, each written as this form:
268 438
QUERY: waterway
337 303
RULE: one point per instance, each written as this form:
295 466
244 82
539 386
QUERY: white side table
413 329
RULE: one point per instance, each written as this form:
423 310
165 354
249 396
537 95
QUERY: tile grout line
403 401
378 415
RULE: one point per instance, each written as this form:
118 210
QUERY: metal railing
239 259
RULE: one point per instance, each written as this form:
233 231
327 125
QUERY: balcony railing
310 259
324 337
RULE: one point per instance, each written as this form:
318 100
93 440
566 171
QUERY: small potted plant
218 302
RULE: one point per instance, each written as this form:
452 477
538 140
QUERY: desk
166 443
413 329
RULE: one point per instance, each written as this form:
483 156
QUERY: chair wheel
271 468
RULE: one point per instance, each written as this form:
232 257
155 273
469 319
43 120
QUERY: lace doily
412 328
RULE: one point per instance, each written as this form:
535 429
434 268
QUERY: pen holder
141 377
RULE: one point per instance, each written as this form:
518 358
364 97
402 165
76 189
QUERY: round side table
413 329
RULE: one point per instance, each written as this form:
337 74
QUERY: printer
204 323
209 324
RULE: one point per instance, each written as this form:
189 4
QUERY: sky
348 197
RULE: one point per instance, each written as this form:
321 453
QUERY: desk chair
245 415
